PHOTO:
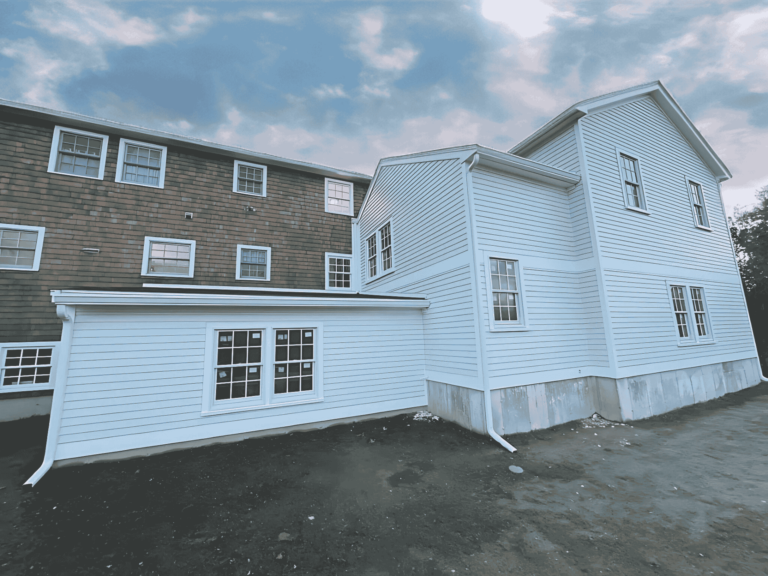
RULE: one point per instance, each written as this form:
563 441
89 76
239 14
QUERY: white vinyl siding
168 257
560 152
141 163
250 178
78 153
21 247
136 374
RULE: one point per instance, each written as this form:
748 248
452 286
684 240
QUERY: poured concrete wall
18 407
463 406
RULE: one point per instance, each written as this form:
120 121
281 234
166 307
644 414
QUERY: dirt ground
684 493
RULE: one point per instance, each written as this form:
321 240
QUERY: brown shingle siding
80 212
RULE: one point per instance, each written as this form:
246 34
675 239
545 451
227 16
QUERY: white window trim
121 162
145 257
643 195
377 232
54 155
688 182
38 247
5 346
351 197
267 399
263 180
329 255
520 325
240 248
694 339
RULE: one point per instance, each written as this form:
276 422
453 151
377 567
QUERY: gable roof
655 90
159 137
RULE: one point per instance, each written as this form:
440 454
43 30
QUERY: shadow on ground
684 493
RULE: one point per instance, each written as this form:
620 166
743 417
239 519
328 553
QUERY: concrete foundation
526 408
17 405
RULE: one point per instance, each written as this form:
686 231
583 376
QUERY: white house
588 269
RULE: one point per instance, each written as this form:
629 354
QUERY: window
141 163
338 271
78 153
504 288
250 178
294 360
168 257
629 169
381 260
339 197
22 365
238 364
21 247
253 263
691 317
697 202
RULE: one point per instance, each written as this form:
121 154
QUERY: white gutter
97 298
353 290
481 327
67 315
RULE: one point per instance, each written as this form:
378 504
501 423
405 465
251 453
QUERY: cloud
367 44
325 92
526 18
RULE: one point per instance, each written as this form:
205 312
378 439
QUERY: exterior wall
425 200
136 375
81 212
561 152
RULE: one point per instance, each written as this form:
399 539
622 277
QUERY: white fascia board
260 289
549 130
96 298
166 138
503 162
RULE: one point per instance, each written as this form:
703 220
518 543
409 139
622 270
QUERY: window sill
76 175
509 328
640 210
263 195
20 269
166 275
378 276
25 391
703 343
251 279
703 228
140 184
215 411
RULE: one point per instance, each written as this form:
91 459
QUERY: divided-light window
339 197
26 366
20 247
338 272
294 360
380 252
699 208
631 182
78 153
168 257
250 178
691 316
505 290
238 364
253 262
141 163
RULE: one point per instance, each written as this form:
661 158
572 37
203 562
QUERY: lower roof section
203 296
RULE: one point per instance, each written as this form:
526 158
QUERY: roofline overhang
90 123
529 169
661 96
104 298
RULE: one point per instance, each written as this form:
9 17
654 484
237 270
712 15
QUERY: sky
347 83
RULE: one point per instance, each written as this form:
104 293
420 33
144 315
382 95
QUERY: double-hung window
250 179
78 153
505 293
380 252
339 197
632 182
22 366
256 366
253 262
21 247
700 217
141 163
338 271
168 257
689 307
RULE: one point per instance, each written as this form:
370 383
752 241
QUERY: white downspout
481 327
67 314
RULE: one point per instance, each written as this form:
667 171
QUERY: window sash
17 248
253 264
169 258
249 179
681 311
238 370
339 272
699 312
630 171
338 196
294 361
505 290
27 366
386 247
700 211
79 154
142 164
371 256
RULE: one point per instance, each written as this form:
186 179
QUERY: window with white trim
697 202
168 257
141 163
294 360
238 364
24 366
338 271
380 252
505 291
78 153
632 184
21 247
253 262
339 197
250 178
691 316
